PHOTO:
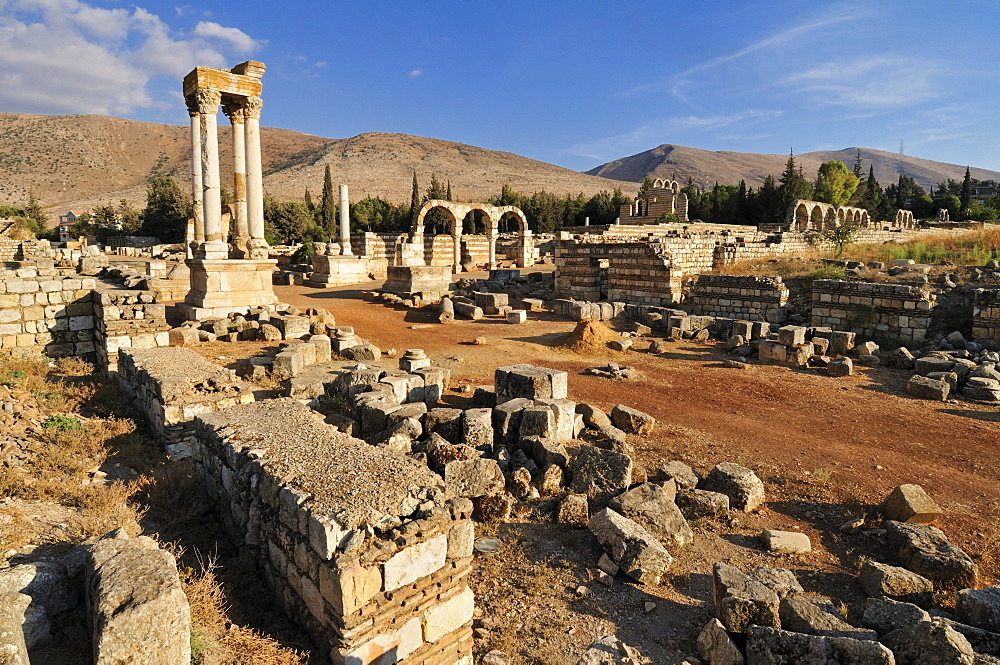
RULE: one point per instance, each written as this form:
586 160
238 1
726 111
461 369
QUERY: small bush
62 423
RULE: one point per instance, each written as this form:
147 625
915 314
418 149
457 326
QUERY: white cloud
65 56
416 72
875 82
654 133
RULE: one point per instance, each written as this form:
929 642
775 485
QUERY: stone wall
898 312
43 308
986 314
629 272
171 386
738 297
126 319
359 544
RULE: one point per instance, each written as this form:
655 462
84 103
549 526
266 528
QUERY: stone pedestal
222 286
407 280
335 270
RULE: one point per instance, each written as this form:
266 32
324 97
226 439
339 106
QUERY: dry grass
971 248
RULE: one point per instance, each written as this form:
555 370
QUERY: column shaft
208 103
240 228
345 222
255 177
196 192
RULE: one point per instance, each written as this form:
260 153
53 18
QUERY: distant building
68 220
665 196
984 192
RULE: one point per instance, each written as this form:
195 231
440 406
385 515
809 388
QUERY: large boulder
744 489
653 507
910 503
632 420
716 645
741 601
878 579
138 611
637 553
817 616
885 615
979 608
600 473
931 642
925 550
770 646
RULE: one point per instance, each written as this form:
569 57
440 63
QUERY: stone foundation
44 308
406 280
337 270
359 544
222 286
127 319
738 297
986 314
899 312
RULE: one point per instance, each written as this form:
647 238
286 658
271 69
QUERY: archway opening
801 217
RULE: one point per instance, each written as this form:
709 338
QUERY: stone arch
491 217
816 218
801 216
830 219
866 219
841 216
659 183
418 224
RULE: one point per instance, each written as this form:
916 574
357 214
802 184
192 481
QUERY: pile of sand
588 338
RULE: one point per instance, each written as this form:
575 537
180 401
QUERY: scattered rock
573 510
600 473
925 550
928 388
632 420
910 503
885 615
929 643
785 542
608 650
740 484
770 646
878 579
779 580
653 507
741 601
638 553
717 647
683 476
702 503
979 608
817 616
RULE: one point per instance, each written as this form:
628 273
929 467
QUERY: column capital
207 100
191 101
235 110
252 107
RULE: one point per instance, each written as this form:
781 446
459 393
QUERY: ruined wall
358 543
899 312
476 249
986 314
738 297
42 308
171 386
126 319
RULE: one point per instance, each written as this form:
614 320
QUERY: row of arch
819 216
492 217
663 183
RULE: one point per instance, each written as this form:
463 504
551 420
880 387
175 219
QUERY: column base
221 286
337 270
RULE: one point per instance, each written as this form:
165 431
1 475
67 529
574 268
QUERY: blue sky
572 83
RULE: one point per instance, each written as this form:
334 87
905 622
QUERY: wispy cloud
66 56
868 82
787 36
653 133
415 73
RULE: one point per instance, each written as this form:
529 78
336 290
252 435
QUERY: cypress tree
415 201
328 206
966 197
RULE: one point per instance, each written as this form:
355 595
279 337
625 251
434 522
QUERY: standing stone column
257 246
457 237
215 246
345 222
234 110
197 209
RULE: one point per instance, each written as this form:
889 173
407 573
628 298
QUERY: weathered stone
638 553
573 510
740 484
792 335
927 388
683 475
530 382
419 560
13 646
593 417
716 645
608 650
770 646
925 550
477 429
900 357
979 608
448 616
537 421
878 579
45 582
841 342
929 643
519 483
741 601
546 452
550 480
817 616
785 542
494 507
350 588
840 367
600 473
652 507
885 615
362 353
445 422
473 478
910 503
702 503
507 420
138 611
632 420
779 580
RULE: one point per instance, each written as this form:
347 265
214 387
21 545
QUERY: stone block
702 503
477 429
927 388
530 382
652 507
548 451
779 580
878 579
632 420
741 601
910 503
884 615
416 561
841 342
517 316
445 422
979 608
843 366
785 542
573 510
600 473
13 626
931 642
634 549
461 538
817 616
392 647
138 611
744 489
925 550
771 646
350 588
792 335
683 476
537 421
473 478
448 616
716 645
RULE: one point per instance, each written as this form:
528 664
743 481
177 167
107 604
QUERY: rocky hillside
706 168
78 161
